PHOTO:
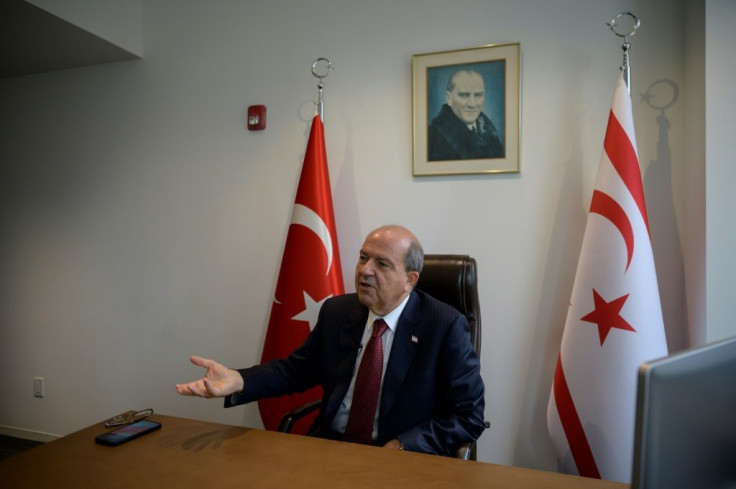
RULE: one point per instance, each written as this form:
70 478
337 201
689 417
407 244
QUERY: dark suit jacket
448 138
432 398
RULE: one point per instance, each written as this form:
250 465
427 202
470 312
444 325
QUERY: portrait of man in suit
462 128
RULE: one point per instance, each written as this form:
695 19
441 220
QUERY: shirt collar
392 318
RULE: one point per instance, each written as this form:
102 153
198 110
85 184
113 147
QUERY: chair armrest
290 418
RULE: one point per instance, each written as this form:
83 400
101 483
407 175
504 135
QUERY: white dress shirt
392 318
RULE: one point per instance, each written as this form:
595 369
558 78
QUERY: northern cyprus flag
614 322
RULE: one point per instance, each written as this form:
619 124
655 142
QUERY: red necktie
367 384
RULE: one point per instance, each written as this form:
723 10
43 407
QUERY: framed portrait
467 111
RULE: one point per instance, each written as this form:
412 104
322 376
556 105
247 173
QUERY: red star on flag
607 315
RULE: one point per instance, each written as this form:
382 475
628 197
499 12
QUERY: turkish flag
614 321
310 274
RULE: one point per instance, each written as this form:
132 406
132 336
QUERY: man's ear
412 278
448 97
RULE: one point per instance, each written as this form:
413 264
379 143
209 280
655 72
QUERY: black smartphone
127 433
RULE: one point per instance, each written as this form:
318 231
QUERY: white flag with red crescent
614 322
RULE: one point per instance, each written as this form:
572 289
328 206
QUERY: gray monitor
686 420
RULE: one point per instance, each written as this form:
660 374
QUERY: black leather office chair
451 279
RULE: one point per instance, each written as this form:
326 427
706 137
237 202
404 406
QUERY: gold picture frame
466 106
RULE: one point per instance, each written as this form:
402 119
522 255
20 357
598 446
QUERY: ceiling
35 41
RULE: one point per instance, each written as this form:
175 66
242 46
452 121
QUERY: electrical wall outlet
38 385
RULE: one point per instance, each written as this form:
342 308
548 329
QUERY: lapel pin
414 339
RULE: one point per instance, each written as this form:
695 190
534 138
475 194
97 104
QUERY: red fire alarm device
256 117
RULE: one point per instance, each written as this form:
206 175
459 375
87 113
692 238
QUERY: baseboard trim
28 434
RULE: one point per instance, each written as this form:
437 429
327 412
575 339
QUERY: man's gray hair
414 260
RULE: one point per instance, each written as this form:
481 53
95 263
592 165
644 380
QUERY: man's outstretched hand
218 381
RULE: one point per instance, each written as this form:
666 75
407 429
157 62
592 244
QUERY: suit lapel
350 335
406 339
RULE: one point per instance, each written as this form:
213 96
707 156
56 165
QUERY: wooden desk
195 454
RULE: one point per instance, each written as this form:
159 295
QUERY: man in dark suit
431 393
461 130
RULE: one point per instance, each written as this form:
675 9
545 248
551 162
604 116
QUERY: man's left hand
394 444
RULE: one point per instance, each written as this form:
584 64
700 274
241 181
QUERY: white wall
693 230
141 222
720 120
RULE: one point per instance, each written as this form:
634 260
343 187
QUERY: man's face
381 279
467 96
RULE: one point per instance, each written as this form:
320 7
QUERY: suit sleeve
296 373
459 414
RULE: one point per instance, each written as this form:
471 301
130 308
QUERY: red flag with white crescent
614 321
310 273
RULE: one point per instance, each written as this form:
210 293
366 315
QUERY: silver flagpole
626 46
320 69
